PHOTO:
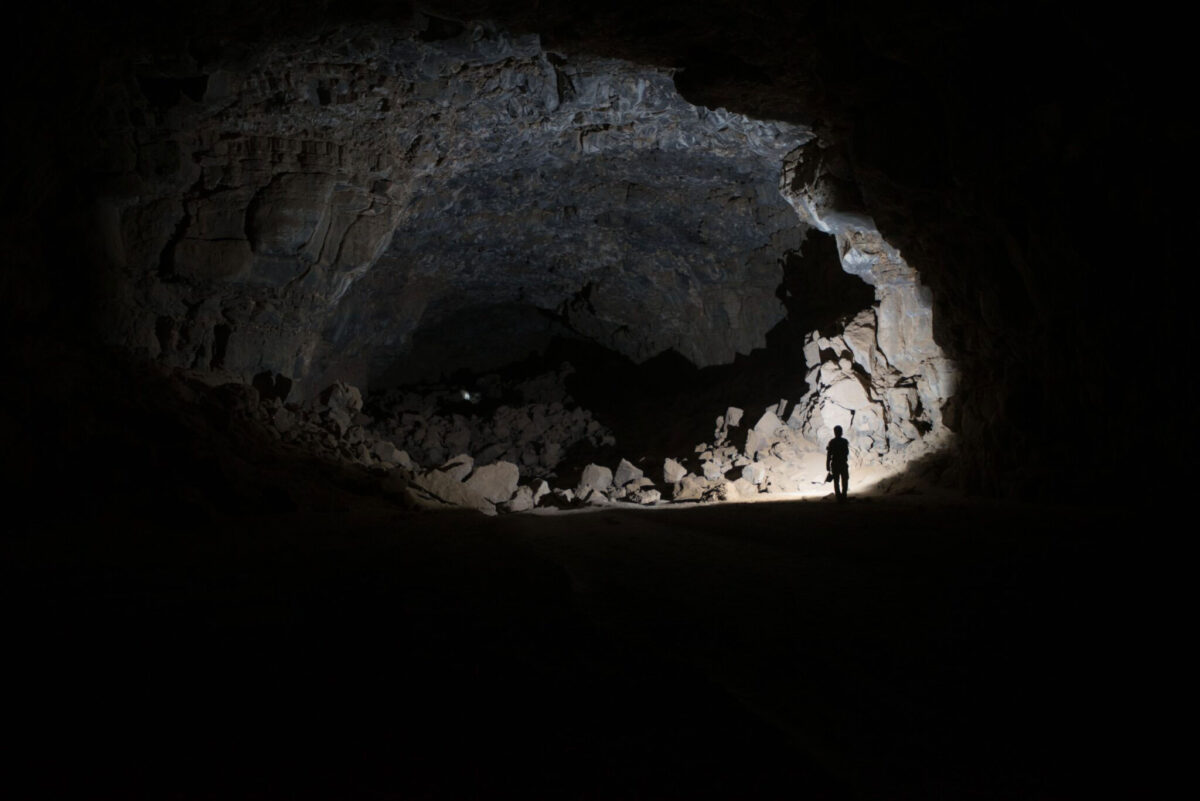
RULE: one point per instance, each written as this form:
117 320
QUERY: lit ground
887 648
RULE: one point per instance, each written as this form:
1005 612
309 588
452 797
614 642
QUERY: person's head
837 431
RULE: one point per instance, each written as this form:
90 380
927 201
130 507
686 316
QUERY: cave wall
1027 161
306 207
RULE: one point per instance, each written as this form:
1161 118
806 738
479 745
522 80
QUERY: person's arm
829 457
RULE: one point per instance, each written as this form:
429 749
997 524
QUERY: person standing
837 463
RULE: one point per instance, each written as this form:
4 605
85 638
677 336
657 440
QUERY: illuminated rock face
377 207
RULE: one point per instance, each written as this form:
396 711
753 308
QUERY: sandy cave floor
890 647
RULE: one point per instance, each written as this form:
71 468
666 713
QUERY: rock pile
882 410
534 430
496 446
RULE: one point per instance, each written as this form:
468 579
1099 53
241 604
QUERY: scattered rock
626 473
496 482
596 478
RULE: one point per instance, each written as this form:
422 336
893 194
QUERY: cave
432 399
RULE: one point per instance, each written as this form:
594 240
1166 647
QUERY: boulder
495 482
849 393
626 473
342 396
755 473
442 487
742 488
673 471
692 488
522 501
768 424
595 477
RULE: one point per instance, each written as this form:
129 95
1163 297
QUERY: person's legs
840 479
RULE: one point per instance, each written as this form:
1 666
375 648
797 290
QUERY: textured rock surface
376 204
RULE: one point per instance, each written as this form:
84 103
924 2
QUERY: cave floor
890 647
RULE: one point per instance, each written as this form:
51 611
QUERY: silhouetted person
837 463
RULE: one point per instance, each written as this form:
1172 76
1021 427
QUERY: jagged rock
540 490
342 396
712 471
594 497
595 477
733 417
646 496
626 472
768 424
444 488
695 488
743 488
849 393
495 482
458 468
522 501
755 473
339 420
673 471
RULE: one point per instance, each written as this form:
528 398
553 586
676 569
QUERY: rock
495 482
849 393
645 496
744 488
673 471
387 451
860 338
755 473
522 501
283 419
626 472
339 420
595 477
768 424
342 396
733 417
459 467
692 488
712 471
444 488
540 490
594 497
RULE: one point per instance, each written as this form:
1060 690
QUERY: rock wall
882 378
308 207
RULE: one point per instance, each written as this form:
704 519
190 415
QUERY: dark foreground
885 649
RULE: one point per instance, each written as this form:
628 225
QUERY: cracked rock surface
370 204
